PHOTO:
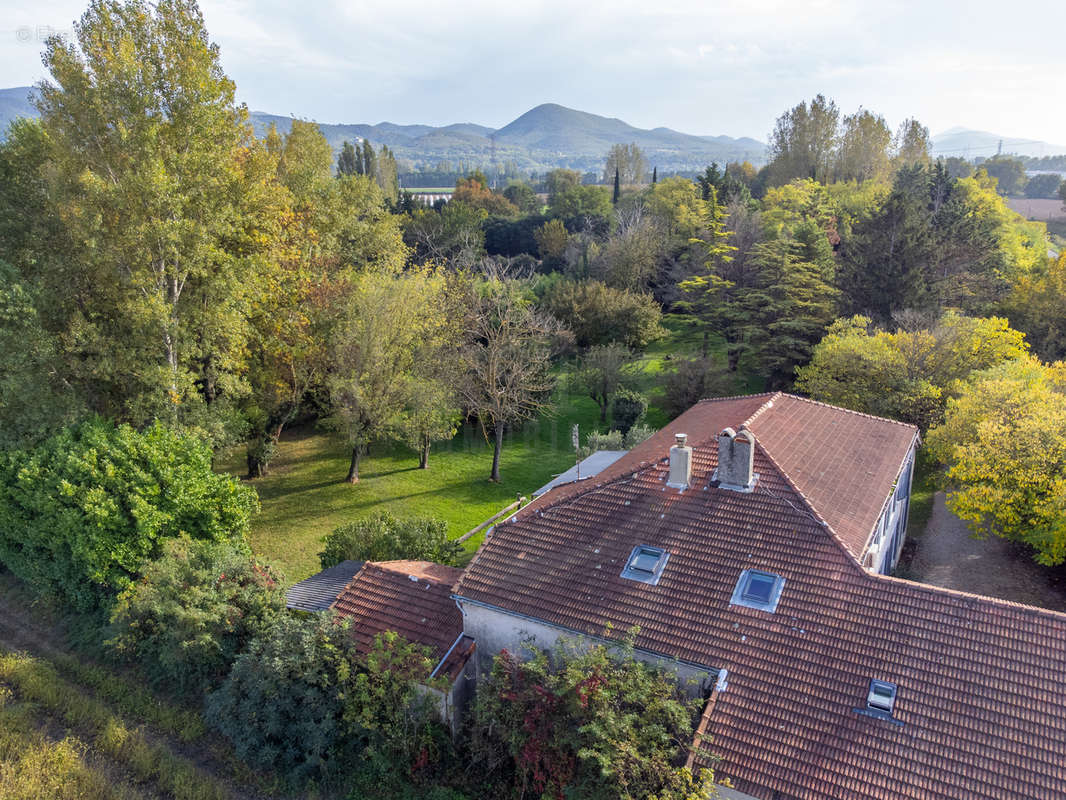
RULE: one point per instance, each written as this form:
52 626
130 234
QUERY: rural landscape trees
182 301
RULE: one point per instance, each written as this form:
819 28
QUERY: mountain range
551 135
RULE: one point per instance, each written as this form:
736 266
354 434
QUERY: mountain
545 137
970 144
15 103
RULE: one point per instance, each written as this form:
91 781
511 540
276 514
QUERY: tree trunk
257 468
603 409
706 343
423 458
353 470
495 477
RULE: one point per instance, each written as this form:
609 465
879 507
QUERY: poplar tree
346 161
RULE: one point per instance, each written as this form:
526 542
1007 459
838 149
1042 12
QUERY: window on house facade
645 564
758 589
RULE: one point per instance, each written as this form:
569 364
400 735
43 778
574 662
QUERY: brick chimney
680 463
736 460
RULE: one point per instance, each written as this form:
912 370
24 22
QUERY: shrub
591 725
596 441
195 609
80 514
282 705
382 537
691 380
599 314
628 409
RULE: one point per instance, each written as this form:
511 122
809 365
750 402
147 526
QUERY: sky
707 67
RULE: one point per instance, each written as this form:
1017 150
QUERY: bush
196 608
282 705
628 409
599 314
691 381
590 725
80 514
382 537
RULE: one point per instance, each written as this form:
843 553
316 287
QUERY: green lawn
305 496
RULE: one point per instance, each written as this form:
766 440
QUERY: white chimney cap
681 439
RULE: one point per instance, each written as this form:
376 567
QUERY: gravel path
948 555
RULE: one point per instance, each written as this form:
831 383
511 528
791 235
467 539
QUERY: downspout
436 669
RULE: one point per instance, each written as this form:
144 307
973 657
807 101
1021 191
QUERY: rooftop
318 592
979 682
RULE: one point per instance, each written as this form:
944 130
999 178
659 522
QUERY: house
411 598
750 543
320 591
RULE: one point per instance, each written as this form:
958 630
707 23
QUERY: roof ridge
848 410
734 397
765 406
918 586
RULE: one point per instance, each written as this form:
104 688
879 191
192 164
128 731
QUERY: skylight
757 589
881 697
645 564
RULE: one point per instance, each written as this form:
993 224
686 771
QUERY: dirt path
948 555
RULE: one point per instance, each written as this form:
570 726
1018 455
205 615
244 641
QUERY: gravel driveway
948 555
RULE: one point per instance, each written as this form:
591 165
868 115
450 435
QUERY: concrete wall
497 630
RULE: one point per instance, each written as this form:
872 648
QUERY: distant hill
545 137
15 103
970 144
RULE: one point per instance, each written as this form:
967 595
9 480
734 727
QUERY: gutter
436 669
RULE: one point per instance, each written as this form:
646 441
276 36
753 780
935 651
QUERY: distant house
750 543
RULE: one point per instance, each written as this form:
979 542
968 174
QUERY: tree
524 198
82 512
803 142
474 191
194 610
602 373
628 161
862 154
1043 185
629 258
616 195
1037 306
388 320
909 374
912 143
597 314
161 185
452 235
689 381
431 413
580 202
507 360
1062 193
552 239
1003 440
677 205
1009 173
347 161
382 537
628 410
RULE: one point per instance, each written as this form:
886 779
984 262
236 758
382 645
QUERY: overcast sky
712 67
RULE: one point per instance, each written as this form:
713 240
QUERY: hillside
971 144
543 138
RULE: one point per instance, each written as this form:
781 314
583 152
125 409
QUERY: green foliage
690 380
382 537
81 513
614 440
603 370
1037 306
283 704
909 374
628 409
523 197
194 610
803 142
1008 172
452 235
626 164
592 725
1004 442
1044 185
598 314
576 203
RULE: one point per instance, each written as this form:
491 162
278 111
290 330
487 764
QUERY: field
305 496
74 729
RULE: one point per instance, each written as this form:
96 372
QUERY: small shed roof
587 468
318 592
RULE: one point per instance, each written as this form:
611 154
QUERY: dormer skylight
758 589
881 697
645 564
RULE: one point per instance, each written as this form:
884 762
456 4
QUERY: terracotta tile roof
412 598
980 687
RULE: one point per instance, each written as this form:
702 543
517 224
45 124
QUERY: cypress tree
654 175
617 188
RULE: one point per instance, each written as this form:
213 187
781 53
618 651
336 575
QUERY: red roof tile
411 598
979 680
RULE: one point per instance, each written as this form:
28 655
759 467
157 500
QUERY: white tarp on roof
593 465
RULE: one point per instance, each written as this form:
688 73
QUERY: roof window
757 589
646 564
881 697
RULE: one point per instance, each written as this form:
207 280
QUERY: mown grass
34 768
37 681
305 496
